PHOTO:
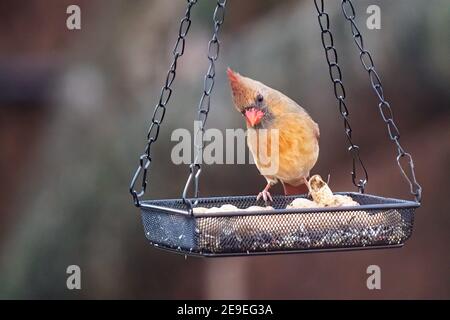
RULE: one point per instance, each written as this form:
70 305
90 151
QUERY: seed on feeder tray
264 233
341 201
258 208
301 228
199 210
302 203
320 191
324 197
228 207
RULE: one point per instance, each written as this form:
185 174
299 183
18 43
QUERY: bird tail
290 190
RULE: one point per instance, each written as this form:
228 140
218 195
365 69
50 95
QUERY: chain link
407 169
145 159
340 94
204 106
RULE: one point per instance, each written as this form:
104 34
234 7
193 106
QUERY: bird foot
265 195
306 181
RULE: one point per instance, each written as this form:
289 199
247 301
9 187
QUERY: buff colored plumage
298 135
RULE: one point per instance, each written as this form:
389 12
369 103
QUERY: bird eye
259 98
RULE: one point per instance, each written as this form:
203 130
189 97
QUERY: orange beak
253 116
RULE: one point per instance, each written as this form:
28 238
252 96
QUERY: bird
298 135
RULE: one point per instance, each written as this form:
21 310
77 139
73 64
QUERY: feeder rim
397 203
274 252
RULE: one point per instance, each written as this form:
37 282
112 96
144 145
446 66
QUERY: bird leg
306 182
265 194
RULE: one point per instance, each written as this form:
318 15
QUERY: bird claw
265 195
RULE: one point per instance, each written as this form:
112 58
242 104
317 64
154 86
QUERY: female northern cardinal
298 135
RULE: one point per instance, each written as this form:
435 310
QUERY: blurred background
75 107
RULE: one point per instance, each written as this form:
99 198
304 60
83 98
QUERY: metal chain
384 107
339 92
158 114
204 105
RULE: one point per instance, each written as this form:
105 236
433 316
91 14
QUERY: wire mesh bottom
377 222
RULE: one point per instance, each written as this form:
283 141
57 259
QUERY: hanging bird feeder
176 225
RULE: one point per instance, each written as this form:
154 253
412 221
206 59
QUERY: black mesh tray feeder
174 224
